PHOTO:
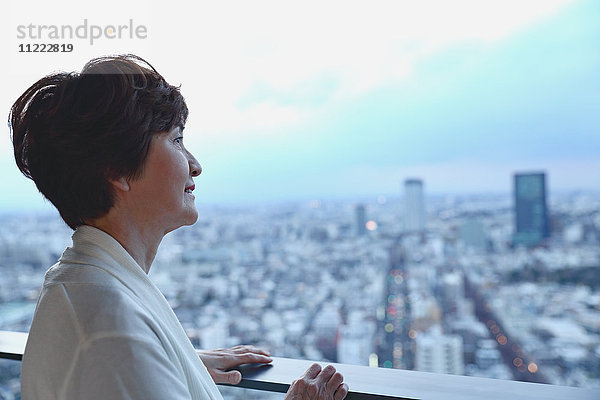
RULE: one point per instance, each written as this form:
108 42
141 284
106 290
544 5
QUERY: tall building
355 340
531 211
325 327
452 291
361 219
414 206
436 352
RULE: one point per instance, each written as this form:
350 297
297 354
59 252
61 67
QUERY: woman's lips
189 189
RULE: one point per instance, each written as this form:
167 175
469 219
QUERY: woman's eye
178 140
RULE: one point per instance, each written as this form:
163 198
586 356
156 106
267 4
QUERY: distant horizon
33 200
45 207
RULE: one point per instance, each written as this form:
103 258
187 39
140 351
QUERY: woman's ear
121 184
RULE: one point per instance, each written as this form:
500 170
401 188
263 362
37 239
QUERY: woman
106 148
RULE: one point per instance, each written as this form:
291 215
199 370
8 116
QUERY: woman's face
163 193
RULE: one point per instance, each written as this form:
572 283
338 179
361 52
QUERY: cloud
221 53
287 47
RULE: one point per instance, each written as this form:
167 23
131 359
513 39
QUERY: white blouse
103 330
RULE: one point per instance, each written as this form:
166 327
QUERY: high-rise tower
361 219
414 207
531 211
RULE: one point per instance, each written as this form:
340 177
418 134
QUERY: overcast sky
319 99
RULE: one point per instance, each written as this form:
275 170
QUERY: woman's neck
141 241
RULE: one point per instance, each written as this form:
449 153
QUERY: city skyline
302 281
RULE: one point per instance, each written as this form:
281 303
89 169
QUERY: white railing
375 383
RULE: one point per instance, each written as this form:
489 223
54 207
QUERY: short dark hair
73 132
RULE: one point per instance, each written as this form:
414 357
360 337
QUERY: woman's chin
192 217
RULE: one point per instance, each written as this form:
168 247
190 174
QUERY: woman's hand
219 361
317 384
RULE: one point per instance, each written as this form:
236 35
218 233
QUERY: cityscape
498 285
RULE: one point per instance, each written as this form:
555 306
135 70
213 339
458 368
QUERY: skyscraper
531 211
361 219
414 207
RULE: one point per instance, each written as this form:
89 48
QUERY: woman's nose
195 167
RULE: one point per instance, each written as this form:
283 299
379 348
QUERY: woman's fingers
249 349
246 358
231 377
335 381
318 384
341 392
325 375
219 362
312 371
